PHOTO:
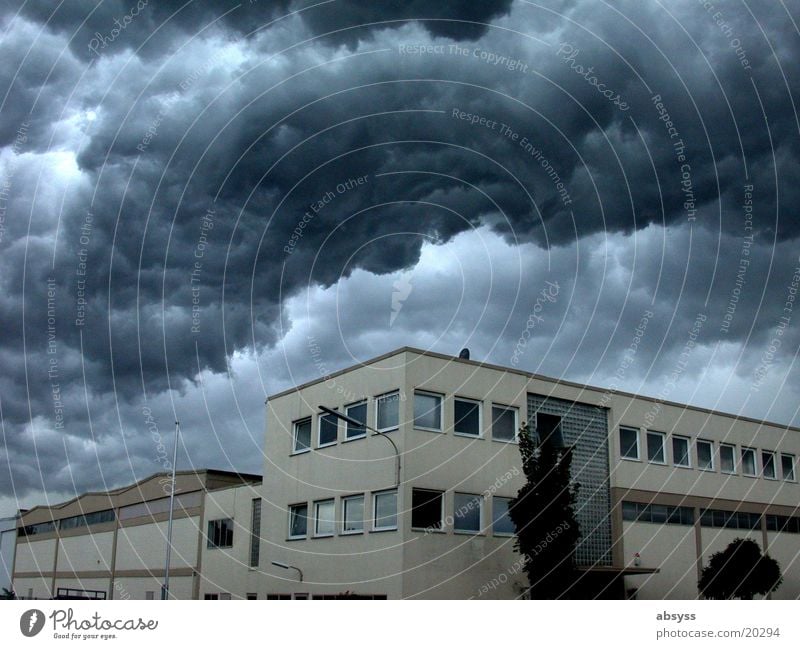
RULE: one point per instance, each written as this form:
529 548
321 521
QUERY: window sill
656 462
382 529
354 439
712 470
351 532
297 538
327 445
682 466
503 535
323 536
428 430
772 479
468 533
386 430
428 530
749 475
505 441
629 459
300 452
455 434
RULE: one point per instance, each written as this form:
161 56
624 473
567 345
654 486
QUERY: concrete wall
671 548
227 570
785 549
86 552
144 546
8 540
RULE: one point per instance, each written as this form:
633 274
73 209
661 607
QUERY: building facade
112 545
662 485
8 543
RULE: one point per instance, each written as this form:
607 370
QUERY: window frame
211 544
429 528
332 521
732 447
295 424
764 475
382 397
480 499
791 458
320 417
638 432
374 516
663 437
477 402
688 441
508 515
515 410
347 427
345 500
754 451
697 443
437 395
289 535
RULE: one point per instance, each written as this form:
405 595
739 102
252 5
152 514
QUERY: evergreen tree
543 513
739 571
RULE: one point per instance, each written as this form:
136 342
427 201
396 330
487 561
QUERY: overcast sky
203 203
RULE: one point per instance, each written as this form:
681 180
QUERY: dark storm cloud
208 148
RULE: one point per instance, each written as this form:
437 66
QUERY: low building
112 545
8 543
662 485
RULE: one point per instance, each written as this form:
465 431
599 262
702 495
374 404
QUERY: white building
663 485
112 545
8 542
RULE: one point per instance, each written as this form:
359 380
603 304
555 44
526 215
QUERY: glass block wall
585 427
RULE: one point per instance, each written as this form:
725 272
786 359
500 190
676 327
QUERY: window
255 532
211 596
749 461
783 524
504 423
328 432
278 596
705 454
680 451
731 520
220 533
252 596
768 468
384 510
302 436
38 528
324 521
650 513
502 525
353 514
85 520
150 594
787 467
427 411
298 521
727 458
387 411
357 411
629 443
655 447
467 512
426 509
548 430
466 417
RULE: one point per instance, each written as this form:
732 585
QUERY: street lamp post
286 566
165 587
360 424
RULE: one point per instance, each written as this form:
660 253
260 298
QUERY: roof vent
464 353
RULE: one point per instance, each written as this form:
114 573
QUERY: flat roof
244 478
529 375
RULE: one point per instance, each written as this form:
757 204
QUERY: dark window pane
467 417
655 447
502 523
328 429
359 413
426 509
680 451
504 424
629 443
